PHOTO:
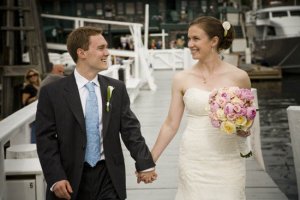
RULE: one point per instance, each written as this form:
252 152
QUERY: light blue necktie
92 153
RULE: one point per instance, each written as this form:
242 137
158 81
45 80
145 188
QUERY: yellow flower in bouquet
241 121
228 127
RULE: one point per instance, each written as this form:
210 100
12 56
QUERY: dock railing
11 127
294 126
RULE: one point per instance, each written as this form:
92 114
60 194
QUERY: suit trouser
96 183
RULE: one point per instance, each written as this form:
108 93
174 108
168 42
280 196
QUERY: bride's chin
195 57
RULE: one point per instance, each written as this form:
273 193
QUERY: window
271 31
295 12
89 7
120 8
263 15
279 14
130 10
99 10
79 9
140 8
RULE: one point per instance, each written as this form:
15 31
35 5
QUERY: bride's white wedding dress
210 166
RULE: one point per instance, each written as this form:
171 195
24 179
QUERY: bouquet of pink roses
232 109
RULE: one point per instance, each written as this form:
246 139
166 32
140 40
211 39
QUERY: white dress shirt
83 93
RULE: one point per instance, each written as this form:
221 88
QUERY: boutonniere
108 97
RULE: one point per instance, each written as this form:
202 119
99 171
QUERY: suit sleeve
132 137
46 140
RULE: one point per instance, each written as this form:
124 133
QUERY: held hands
62 189
146 177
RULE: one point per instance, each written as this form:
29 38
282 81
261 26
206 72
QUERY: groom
81 156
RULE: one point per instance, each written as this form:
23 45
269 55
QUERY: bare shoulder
180 78
239 76
181 75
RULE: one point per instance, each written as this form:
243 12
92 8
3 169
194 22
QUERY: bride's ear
214 41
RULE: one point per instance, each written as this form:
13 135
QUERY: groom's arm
46 139
132 137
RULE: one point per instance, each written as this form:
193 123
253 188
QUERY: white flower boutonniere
108 97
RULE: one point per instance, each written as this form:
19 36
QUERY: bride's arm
172 121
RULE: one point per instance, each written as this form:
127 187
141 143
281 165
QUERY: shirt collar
81 81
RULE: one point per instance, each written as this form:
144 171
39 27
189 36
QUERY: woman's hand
146 177
242 133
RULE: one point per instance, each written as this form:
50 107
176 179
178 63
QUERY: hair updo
213 27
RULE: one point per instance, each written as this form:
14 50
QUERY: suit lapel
105 115
73 98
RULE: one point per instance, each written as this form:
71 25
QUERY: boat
277 37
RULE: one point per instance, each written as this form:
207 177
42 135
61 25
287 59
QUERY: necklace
203 78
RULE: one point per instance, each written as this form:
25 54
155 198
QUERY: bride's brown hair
213 27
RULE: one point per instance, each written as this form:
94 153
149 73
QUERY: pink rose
214 107
237 108
215 123
251 113
228 108
247 94
221 101
231 116
243 111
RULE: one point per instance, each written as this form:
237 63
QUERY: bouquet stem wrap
244 146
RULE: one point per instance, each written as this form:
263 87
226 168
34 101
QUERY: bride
210 166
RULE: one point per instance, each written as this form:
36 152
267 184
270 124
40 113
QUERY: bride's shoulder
239 76
235 71
182 75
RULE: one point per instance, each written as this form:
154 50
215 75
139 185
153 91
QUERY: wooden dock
151 108
255 71
258 72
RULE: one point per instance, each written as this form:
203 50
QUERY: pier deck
258 72
151 108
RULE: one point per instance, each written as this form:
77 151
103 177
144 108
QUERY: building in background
171 15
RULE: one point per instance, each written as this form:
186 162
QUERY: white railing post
294 126
2 173
146 27
255 136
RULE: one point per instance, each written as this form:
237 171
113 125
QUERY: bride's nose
190 43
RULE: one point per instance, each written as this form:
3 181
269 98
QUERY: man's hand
62 189
146 177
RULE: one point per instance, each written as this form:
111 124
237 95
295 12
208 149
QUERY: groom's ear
81 53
